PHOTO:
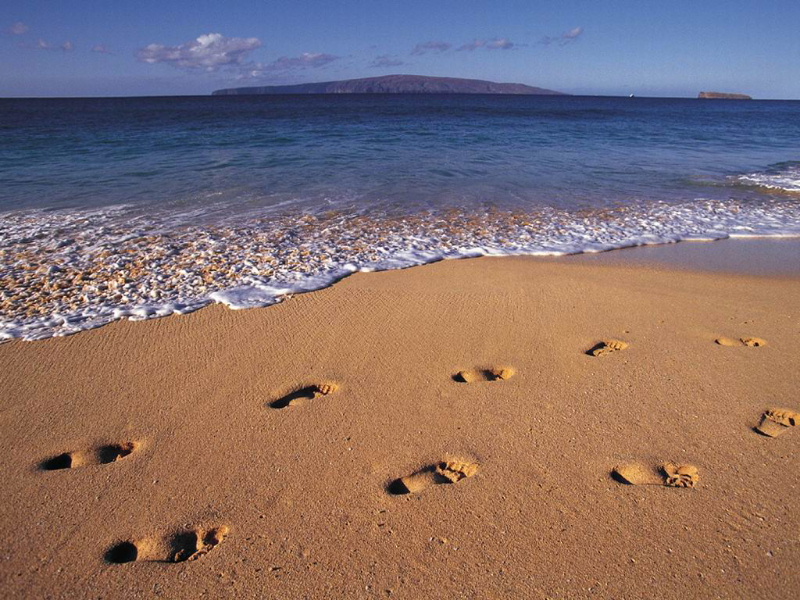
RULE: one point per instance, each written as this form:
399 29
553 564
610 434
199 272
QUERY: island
723 96
394 84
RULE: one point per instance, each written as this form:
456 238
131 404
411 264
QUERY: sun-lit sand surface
486 428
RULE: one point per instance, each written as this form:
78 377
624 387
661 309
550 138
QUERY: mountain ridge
393 84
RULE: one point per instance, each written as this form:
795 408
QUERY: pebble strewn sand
62 271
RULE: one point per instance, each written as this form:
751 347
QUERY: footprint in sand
101 455
444 472
309 392
491 374
777 421
177 547
669 474
751 342
607 347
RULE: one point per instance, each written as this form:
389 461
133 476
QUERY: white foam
784 177
262 264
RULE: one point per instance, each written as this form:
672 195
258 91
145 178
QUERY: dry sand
439 432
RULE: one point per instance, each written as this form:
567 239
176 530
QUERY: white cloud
495 44
385 61
67 46
430 47
565 38
101 49
18 28
214 52
209 52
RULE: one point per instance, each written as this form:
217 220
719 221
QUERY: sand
439 432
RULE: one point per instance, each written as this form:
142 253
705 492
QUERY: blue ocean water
387 152
149 192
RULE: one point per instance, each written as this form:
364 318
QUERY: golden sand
147 460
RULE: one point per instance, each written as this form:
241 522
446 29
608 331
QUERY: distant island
394 84
717 95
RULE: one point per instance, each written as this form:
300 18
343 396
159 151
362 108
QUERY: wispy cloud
426 47
41 44
307 60
209 52
101 49
495 44
18 28
565 38
385 61
286 64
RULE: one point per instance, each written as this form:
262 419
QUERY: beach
443 431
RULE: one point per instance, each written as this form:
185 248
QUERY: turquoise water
185 201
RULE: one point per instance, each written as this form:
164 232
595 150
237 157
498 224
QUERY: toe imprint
680 475
490 374
178 547
669 474
751 342
99 455
607 347
300 395
777 421
444 472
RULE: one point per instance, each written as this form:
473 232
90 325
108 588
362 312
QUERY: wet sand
778 257
444 431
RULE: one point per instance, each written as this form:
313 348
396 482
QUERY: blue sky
612 47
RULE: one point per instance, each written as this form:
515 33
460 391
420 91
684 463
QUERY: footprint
177 547
607 347
101 455
443 472
309 392
777 421
669 474
491 374
752 342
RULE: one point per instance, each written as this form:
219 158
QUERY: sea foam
65 271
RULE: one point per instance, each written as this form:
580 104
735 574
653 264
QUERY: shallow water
140 207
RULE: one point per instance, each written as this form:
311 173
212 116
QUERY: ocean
143 207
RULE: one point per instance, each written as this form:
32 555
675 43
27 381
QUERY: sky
602 47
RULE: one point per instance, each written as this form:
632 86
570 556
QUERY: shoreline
277 436
754 255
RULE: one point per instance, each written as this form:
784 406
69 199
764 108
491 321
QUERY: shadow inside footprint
494 374
178 547
192 545
619 478
668 474
306 393
777 421
113 452
100 455
62 461
750 342
606 347
184 546
124 552
441 473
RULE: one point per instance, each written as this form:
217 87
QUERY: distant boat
631 96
